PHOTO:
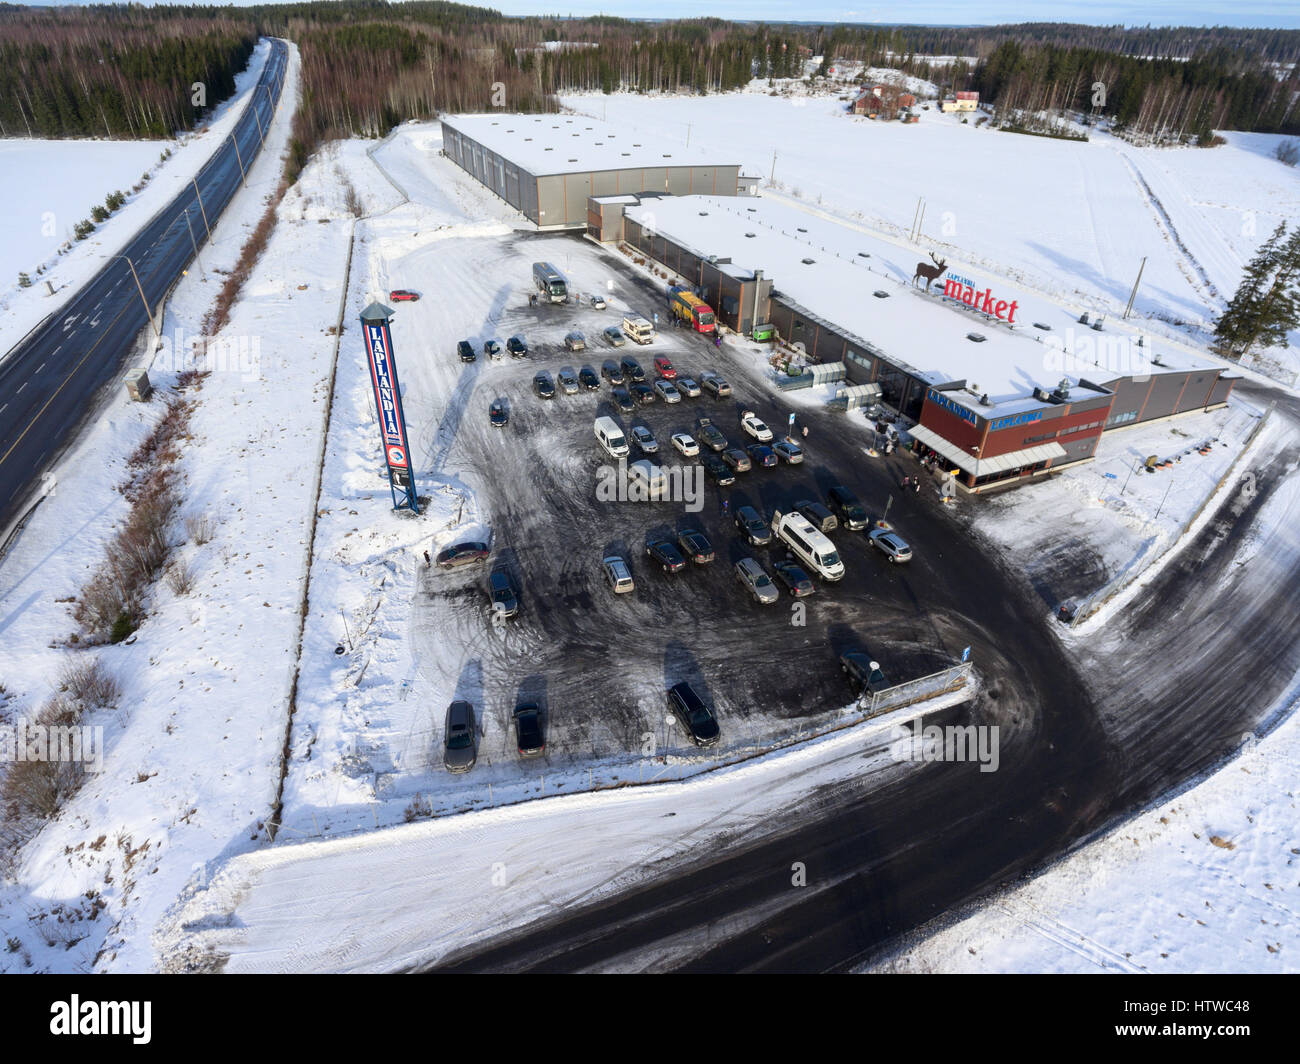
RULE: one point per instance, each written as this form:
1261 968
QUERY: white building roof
565 144
832 270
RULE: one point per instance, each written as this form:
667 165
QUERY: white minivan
638 329
611 437
808 545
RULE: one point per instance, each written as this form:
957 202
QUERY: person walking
805 432
427 560
916 485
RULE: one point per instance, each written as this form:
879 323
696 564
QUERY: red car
403 295
665 368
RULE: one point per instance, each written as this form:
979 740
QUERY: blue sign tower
388 402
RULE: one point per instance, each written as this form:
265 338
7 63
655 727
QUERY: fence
918 690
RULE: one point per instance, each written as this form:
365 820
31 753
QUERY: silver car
575 341
667 391
618 575
757 582
893 545
567 380
460 751
688 387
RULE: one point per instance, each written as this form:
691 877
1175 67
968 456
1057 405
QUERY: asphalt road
1170 698
49 383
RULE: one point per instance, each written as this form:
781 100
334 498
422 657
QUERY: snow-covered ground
1074 220
49 186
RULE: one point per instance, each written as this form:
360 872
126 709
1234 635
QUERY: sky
1279 14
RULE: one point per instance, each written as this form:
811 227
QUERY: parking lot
599 662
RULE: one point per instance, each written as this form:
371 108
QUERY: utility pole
140 288
772 176
203 212
194 245
1128 309
258 119
242 173
688 134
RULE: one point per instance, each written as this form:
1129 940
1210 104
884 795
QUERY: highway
48 384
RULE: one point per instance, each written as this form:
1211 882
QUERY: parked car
632 369
493 349
598 303
458 555
643 394
863 673
403 295
645 440
756 581
696 717
528 730
820 517
459 748
575 341
737 459
666 555
793 576
568 380
618 574
517 346
695 545
667 392
503 600
688 387
664 367
762 455
845 504
499 413
623 400
543 386
466 351
753 527
709 435
685 446
614 336
893 545
609 369
788 452
753 424
588 379
718 470
715 385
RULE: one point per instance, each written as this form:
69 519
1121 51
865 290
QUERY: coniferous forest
129 71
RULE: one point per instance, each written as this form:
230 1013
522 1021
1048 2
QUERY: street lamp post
202 211
140 288
242 173
194 244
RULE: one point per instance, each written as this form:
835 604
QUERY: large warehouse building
547 166
1004 384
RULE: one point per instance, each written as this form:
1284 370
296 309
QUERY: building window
1123 419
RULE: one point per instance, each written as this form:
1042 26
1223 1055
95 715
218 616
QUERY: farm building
548 166
962 101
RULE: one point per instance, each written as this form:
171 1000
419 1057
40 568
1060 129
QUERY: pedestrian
907 481
717 341
427 560
726 505
805 432
916 486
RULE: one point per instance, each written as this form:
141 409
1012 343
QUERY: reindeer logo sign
930 273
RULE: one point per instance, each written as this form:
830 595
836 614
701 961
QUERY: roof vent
864 254
808 262
704 214
573 160
548 149
528 138
751 209
749 234
801 229
976 338
626 153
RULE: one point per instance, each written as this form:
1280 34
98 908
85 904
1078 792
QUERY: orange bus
691 309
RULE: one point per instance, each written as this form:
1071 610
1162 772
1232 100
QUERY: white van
611 437
808 545
638 329
648 480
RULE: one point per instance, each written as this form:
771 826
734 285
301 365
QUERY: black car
588 379
632 368
610 371
543 386
751 523
517 347
666 554
761 455
503 601
459 554
466 351
695 545
794 577
643 394
528 730
695 716
863 673
818 516
623 400
717 469
498 413
845 504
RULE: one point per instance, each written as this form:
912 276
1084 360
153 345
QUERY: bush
83 229
1287 151
180 578
24 281
98 213
115 200
201 528
87 682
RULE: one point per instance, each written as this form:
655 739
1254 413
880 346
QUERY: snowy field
49 186
1073 220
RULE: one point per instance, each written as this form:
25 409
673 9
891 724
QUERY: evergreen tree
1267 303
